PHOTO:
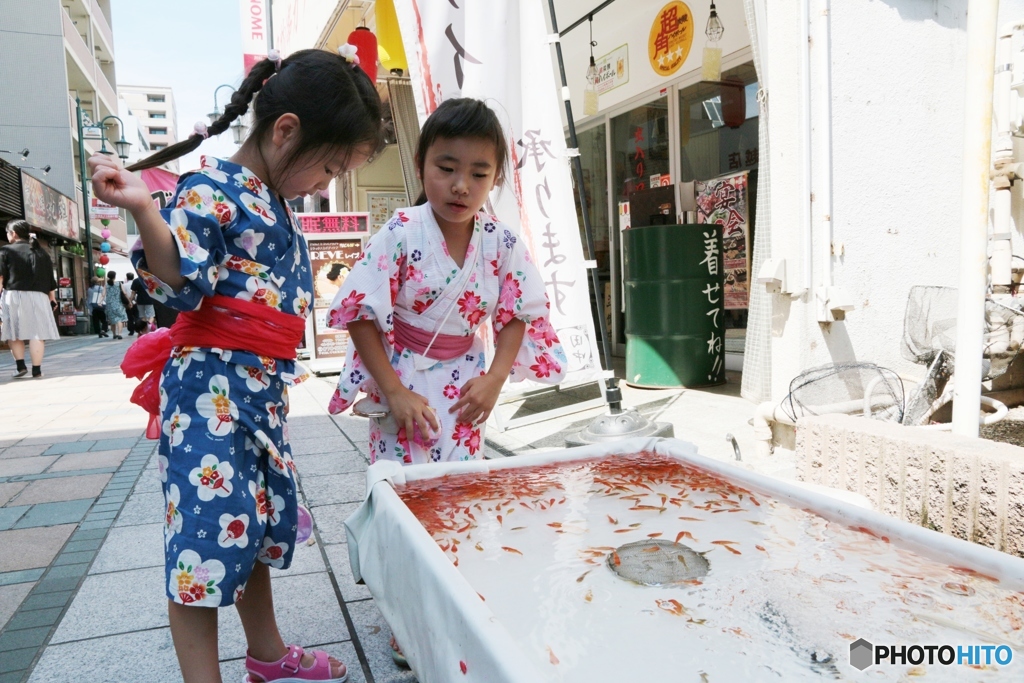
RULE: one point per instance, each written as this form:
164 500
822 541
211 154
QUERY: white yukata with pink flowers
406 271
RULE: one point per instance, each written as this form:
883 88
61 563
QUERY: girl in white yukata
426 282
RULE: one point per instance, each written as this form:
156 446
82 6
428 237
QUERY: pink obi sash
223 323
443 346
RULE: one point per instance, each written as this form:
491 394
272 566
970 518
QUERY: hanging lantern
101 271
590 99
389 38
105 234
104 259
711 65
734 102
366 46
105 247
105 221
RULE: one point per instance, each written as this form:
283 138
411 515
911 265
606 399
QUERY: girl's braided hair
335 102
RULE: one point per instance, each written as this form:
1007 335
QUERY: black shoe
20 373
117 336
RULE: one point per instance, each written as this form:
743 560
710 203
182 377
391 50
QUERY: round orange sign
671 38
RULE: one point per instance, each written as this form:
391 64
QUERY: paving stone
337 488
107 507
85 544
97 524
115 444
36 618
374 635
17 660
10 516
17 466
337 556
85 535
303 615
335 444
131 547
49 514
58 584
330 521
74 558
23 451
69 447
29 637
93 661
47 600
48 439
68 571
89 461
95 612
10 490
30 548
11 598
62 488
12 677
142 508
22 576
97 516
322 464
307 559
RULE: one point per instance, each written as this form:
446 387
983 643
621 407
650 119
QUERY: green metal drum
675 325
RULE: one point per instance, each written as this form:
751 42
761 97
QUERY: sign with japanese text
331 259
99 210
48 210
349 224
498 52
725 201
670 39
612 69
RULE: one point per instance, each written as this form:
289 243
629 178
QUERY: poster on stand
331 256
725 201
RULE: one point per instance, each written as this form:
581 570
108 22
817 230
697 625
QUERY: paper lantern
105 234
104 259
391 50
105 221
105 247
366 46
100 271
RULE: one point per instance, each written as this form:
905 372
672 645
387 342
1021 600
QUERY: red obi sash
444 346
223 323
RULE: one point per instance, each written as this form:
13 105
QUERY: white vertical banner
254 32
498 51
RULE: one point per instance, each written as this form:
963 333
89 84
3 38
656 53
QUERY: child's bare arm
480 394
114 185
407 407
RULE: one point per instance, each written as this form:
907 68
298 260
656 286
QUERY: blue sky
190 45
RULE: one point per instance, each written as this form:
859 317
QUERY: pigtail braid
238 106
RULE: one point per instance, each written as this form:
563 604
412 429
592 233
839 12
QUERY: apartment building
154 108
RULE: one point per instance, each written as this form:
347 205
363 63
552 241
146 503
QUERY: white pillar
981 52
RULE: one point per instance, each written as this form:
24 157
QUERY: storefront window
594 159
710 148
640 145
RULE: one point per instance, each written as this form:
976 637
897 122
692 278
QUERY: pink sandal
289 669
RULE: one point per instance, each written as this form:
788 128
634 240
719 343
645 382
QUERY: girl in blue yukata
226 251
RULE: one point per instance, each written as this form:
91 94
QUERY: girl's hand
411 410
116 186
477 399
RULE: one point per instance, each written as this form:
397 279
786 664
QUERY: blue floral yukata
225 462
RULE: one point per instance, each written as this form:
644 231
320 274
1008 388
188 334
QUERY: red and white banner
161 185
498 51
254 32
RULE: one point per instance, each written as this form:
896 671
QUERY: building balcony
77 47
101 26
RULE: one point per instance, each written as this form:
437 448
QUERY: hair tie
350 53
274 55
200 129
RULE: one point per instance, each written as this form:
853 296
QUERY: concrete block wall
968 488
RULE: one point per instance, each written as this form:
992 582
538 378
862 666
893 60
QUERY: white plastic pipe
822 48
981 52
805 127
987 419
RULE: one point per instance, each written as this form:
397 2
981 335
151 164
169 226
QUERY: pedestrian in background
130 306
117 316
28 300
144 310
96 300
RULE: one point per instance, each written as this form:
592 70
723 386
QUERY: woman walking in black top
27 302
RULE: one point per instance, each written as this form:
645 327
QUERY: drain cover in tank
657 563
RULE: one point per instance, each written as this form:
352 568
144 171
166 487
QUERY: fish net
657 563
852 388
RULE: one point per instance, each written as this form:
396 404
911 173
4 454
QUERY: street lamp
216 108
121 145
23 153
238 129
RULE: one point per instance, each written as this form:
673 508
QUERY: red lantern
104 259
734 102
366 44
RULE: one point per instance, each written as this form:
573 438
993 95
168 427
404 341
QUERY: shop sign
100 210
671 37
349 224
613 69
64 282
725 201
331 259
47 209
